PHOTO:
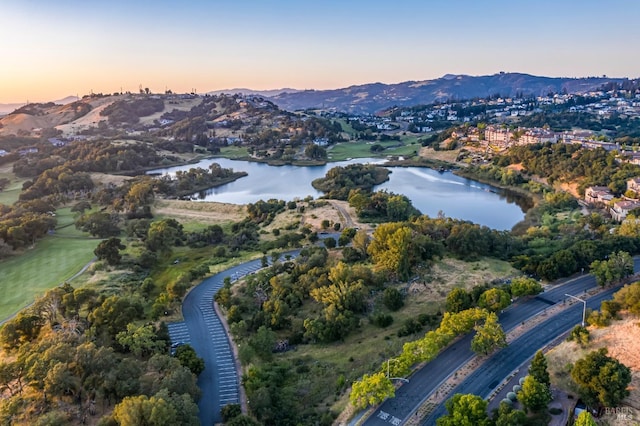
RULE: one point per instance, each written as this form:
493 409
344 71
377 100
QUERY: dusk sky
52 49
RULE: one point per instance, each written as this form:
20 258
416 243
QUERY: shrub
382 320
392 299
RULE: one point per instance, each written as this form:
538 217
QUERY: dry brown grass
571 188
313 216
448 156
203 212
450 273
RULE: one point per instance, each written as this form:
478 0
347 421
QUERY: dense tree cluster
59 182
602 381
23 224
75 353
339 181
572 163
194 180
129 111
616 267
381 206
94 156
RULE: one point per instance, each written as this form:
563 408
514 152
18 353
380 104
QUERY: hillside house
621 209
598 195
633 184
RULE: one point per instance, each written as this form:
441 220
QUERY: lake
430 191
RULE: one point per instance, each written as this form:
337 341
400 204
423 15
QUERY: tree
190 359
618 266
361 241
601 380
263 342
392 299
243 420
140 196
524 286
330 242
390 248
162 235
371 390
489 336
142 411
538 369
585 419
534 395
230 411
507 416
140 340
465 410
629 297
115 314
494 300
315 152
630 227
580 335
109 250
98 224
458 300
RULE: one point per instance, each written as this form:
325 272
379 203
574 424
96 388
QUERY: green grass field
10 194
362 149
54 259
233 152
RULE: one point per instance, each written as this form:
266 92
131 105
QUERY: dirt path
348 222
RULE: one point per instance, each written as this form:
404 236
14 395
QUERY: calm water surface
430 191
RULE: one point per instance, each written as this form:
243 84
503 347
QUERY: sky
53 49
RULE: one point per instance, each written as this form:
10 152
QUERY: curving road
485 379
202 329
395 411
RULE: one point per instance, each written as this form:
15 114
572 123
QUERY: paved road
485 379
425 381
203 330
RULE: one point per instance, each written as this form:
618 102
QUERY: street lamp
584 307
394 378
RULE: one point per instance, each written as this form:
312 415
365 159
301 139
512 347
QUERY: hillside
370 98
25 119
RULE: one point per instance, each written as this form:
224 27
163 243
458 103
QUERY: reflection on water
430 191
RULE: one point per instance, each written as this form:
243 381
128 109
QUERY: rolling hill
370 98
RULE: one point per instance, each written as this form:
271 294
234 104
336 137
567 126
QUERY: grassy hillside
53 260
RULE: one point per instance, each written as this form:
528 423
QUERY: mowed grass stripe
50 263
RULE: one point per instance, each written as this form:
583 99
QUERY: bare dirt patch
207 212
107 179
444 155
335 212
571 188
516 167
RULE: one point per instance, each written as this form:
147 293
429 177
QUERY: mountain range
370 98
